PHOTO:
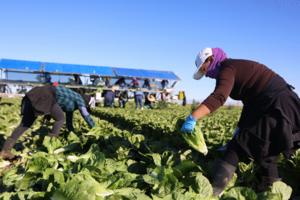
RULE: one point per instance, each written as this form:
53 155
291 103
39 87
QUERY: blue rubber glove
189 125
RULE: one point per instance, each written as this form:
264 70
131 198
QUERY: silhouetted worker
50 101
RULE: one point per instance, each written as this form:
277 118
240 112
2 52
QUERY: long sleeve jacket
69 101
241 80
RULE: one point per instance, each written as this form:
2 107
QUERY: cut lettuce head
82 186
194 139
283 189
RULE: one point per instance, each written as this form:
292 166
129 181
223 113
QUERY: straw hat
151 98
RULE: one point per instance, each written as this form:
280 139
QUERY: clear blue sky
154 34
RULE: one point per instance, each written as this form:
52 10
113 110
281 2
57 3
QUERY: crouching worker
49 101
69 101
270 119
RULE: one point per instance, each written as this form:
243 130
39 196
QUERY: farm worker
138 94
69 101
121 82
123 98
134 83
109 96
147 86
270 119
49 101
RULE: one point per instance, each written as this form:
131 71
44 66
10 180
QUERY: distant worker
77 79
95 79
121 82
146 86
270 119
182 97
134 83
44 78
164 86
138 94
150 100
138 98
107 82
123 98
109 96
184 101
49 101
47 76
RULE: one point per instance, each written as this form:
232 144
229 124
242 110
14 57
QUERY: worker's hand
189 124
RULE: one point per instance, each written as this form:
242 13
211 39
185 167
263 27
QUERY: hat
200 59
151 97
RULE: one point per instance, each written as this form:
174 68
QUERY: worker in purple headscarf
270 119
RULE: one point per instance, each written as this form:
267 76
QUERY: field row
128 155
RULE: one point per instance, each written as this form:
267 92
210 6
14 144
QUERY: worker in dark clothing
47 77
77 79
270 119
164 84
109 96
123 98
107 82
121 82
147 86
134 83
182 97
47 100
184 100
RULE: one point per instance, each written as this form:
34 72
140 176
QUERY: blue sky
154 34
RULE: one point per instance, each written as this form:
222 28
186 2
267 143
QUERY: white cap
200 59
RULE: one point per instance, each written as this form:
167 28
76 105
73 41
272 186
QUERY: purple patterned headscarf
218 56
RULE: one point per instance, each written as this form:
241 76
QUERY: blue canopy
20 65
35 66
141 73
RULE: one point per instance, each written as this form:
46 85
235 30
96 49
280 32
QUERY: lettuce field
129 155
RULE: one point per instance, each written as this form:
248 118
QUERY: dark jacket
123 96
241 80
270 124
42 99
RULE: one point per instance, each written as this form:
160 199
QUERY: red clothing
241 80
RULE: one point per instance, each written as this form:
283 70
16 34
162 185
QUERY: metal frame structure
13 75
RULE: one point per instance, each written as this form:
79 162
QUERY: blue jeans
138 101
